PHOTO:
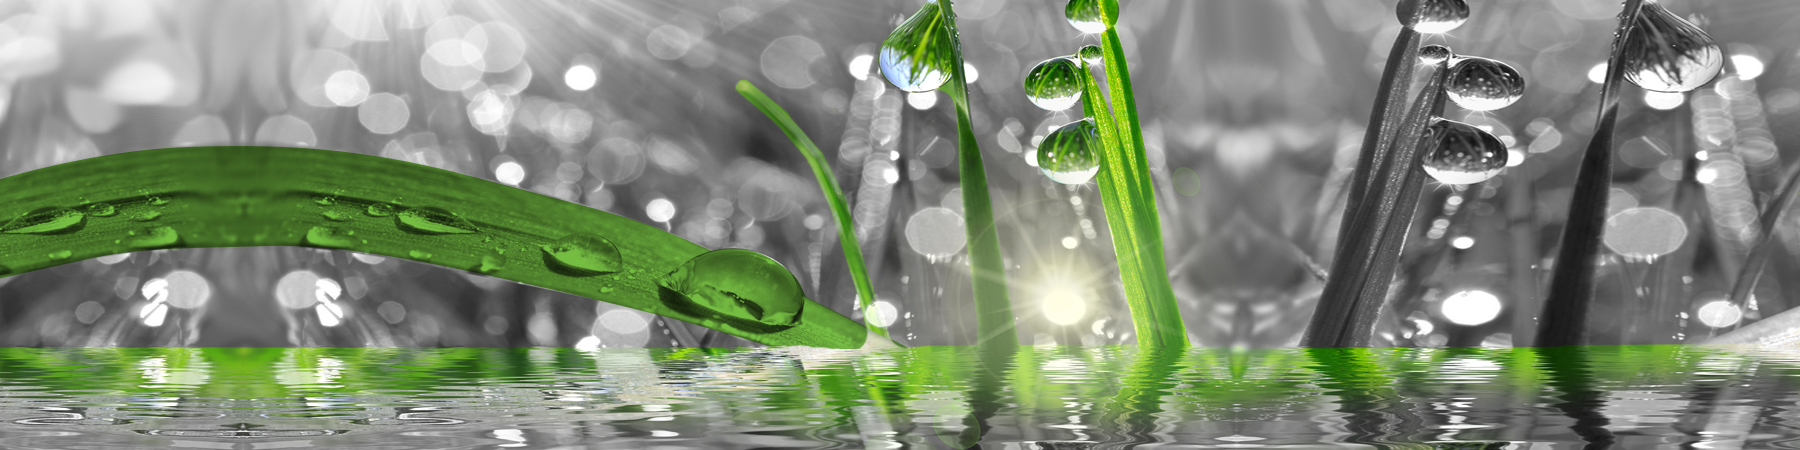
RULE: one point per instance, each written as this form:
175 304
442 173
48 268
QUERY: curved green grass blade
270 196
859 272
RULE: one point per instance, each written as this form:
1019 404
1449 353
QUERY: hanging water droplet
1091 54
1433 54
1067 155
1667 54
1434 16
738 287
419 255
47 220
1085 16
1482 84
155 237
101 210
1459 153
584 253
1055 84
338 216
379 210
432 220
328 237
917 56
146 216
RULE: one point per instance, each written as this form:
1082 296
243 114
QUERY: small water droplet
61 255
431 220
1433 54
1435 16
738 286
1067 155
102 210
324 201
917 56
1054 84
379 210
328 237
155 237
586 253
491 264
146 216
1085 16
1459 153
1092 55
159 201
1667 54
47 220
1482 84
606 289
339 216
419 255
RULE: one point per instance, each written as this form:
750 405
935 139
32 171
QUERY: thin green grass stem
1758 259
993 305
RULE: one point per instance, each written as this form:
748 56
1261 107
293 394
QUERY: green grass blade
859 272
201 197
1564 318
993 305
1130 200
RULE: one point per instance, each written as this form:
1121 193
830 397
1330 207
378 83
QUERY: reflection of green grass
834 197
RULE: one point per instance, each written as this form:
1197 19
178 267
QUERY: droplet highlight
585 253
1054 84
47 220
1667 54
736 287
432 220
1067 155
1482 84
1459 153
918 55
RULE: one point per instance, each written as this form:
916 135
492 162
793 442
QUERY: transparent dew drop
159 201
432 220
155 237
491 264
736 287
1067 155
1667 54
146 216
585 253
1459 153
47 220
1085 16
419 255
1055 84
1433 54
336 216
102 210
918 55
1091 54
60 255
1482 84
328 237
1434 16
379 210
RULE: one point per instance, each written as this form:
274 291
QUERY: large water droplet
1482 84
1433 54
102 210
155 237
1067 155
1091 54
917 56
47 220
432 220
1085 16
1435 16
737 287
329 237
1459 153
1667 54
1054 84
584 253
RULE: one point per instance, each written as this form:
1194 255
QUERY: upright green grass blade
840 209
1572 281
201 197
1130 199
993 305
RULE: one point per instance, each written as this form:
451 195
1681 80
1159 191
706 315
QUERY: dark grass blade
1759 253
840 209
993 305
1564 317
